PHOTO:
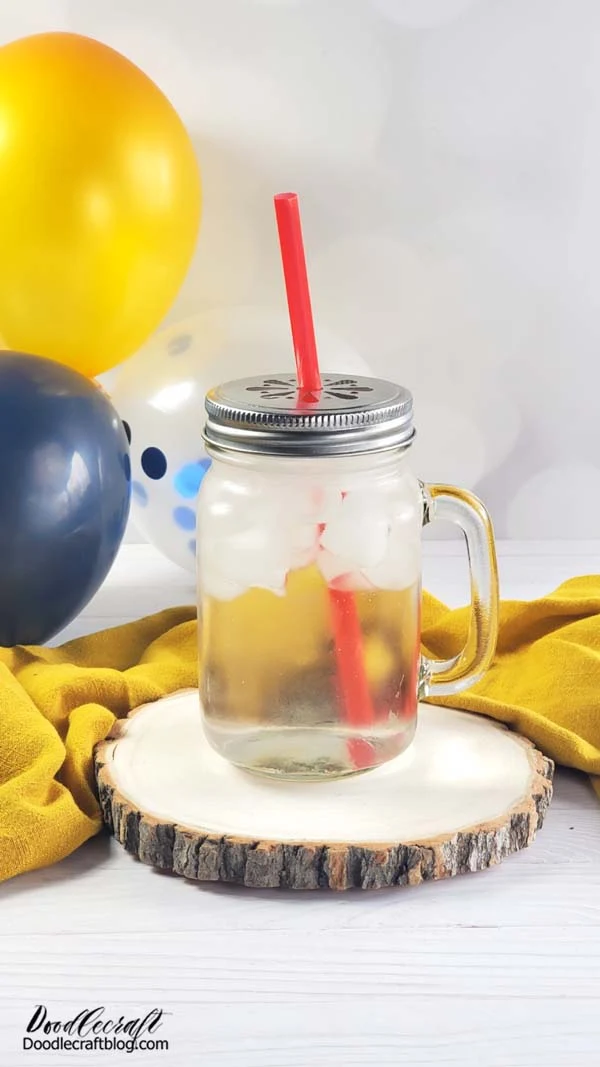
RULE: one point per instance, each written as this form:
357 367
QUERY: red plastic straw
352 677
347 633
289 226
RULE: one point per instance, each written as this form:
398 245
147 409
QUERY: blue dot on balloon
127 466
139 494
188 478
154 462
185 518
192 546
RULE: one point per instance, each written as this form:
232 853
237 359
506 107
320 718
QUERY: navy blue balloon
64 494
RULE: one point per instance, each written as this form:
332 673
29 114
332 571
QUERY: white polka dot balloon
159 393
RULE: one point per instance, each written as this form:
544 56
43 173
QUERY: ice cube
215 585
341 573
229 504
308 502
298 510
332 566
323 504
358 531
401 565
254 557
304 545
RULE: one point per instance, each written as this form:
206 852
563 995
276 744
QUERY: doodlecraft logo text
92 1030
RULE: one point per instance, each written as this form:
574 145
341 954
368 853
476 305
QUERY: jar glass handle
445 677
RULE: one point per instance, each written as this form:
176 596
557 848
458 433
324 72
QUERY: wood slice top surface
465 794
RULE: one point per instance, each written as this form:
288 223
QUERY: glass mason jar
309 577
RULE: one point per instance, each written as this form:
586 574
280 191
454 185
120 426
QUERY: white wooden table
500 969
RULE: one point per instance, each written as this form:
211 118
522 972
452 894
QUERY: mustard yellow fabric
56 703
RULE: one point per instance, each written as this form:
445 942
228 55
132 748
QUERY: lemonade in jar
309 577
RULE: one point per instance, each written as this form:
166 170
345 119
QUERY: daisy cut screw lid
269 415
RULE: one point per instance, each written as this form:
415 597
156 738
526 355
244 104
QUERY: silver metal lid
348 415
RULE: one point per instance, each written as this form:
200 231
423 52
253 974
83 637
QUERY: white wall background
447 154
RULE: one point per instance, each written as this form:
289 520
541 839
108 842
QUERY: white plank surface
500 969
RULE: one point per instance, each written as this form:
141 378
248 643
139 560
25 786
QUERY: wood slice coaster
467 793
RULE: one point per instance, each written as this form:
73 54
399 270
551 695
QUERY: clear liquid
270 683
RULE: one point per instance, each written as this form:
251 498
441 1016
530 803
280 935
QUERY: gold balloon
99 201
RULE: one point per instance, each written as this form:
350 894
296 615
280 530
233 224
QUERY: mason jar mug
309 577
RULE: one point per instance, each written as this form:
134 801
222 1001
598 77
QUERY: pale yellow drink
269 680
